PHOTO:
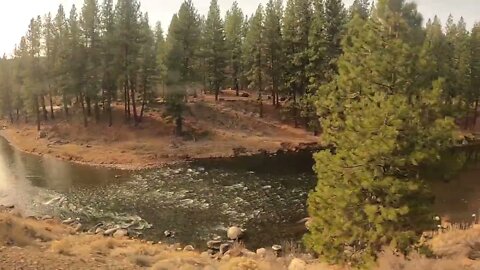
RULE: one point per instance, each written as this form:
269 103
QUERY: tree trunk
18 114
97 110
178 126
65 105
52 114
109 109
44 109
125 100
217 92
37 112
475 114
89 105
144 101
134 104
295 109
237 87
85 121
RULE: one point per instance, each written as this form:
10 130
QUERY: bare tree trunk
134 105
65 105
37 112
44 109
475 114
109 102
89 105
295 119
52 114
85 121
125 100
144 101
179 126
237 87
97 110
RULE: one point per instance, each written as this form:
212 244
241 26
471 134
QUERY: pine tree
6 86
335 19
370 191
183 49
475 67
109 71
62 61
234 39
274 47
161 55
254 49
433 64
76 69
215 48
297 23
33 72
50 54
90 28
148 73
127 29
361 8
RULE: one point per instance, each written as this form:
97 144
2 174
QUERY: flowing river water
198 201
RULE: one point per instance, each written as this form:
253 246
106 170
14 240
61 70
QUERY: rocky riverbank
47 243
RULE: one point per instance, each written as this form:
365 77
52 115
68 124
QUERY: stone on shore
234 233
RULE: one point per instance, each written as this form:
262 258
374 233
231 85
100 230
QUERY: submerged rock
234 233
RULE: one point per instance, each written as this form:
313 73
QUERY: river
198 201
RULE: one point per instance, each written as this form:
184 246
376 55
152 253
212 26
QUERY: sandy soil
229 127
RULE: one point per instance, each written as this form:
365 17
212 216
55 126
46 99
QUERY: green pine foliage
384 129
234 22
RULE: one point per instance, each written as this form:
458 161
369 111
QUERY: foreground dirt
213 129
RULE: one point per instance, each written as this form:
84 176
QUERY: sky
16 14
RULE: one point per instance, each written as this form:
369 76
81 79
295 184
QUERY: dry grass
18 231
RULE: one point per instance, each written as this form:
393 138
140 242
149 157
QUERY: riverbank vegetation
387 91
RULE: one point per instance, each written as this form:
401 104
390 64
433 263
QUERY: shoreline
16 143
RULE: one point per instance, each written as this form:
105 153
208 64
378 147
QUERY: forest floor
34 243
231 126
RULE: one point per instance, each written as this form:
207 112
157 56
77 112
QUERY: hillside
226 128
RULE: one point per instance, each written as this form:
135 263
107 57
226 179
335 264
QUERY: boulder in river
234 233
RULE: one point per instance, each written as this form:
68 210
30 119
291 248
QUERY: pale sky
16 14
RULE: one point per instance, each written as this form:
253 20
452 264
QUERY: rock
120 233
261 252
214 244
297 264
42 134
99 231
224 248
188 248
277 250
226 257
77 226
239 150
68 221
245 94
110 231
205 254
46 217
211 252
169 233
234 233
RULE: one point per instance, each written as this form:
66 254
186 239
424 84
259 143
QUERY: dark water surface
265 195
